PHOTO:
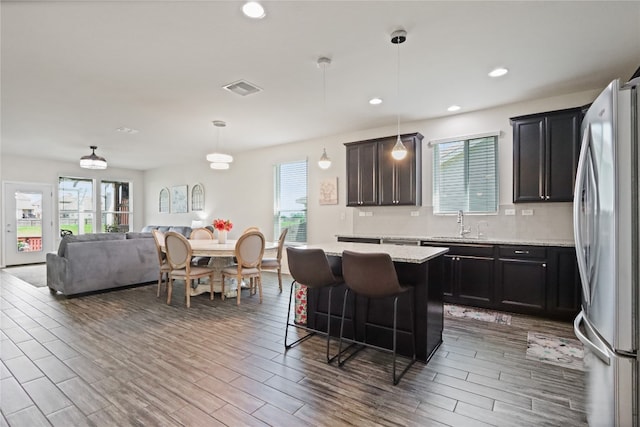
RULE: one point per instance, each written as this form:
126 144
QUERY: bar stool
310 267
373 275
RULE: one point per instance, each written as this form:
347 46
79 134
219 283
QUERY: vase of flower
222 226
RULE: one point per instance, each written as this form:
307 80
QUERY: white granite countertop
410 254
471 240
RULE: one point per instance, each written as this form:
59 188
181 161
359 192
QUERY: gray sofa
93 262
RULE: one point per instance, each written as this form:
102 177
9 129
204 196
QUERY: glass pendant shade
325 161
219 158
399 151
219 166
93 161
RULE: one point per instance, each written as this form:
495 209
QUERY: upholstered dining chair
179 257
373 275
158 238
249 250
310 267
201 234
248 229
276 263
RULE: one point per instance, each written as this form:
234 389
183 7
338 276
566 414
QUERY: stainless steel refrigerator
607 237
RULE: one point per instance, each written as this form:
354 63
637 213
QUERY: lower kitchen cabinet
563 284
468 275
536 280
521 284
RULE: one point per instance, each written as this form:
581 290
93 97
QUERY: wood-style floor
125 358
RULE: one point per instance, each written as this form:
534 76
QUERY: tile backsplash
547 221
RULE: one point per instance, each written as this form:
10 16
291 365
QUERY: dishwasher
401 241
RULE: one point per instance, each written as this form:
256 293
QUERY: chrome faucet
462 230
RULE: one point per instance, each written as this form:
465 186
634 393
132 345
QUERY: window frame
292 235
436 179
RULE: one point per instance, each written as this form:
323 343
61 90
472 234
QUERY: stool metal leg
286 331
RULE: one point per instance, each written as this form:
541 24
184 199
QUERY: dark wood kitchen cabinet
546 147
468 275
521 284
362 174
374 178
399 180
564 294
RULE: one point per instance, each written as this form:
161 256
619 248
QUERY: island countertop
409 254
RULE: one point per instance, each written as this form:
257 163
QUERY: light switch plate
527 212
362 213
415 213
369 214
509 211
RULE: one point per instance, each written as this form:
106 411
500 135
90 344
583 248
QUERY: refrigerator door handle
577 223
595 349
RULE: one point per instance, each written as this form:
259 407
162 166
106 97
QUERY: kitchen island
372 319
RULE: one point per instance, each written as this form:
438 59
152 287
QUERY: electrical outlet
527 212
415 213
362 213
342 216
509 211
369 214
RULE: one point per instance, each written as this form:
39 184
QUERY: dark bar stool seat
310 267
373 275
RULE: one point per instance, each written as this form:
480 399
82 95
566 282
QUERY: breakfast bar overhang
370 320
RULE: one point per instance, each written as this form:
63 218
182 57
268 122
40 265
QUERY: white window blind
290 204
465 176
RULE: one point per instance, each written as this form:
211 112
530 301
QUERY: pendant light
93 161
325 161
217 156
324 62
399 151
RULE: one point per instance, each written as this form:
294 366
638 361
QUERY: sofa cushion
140 235
93 237
182 229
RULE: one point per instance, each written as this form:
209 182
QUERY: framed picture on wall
329 191
197 198
163 201
179 199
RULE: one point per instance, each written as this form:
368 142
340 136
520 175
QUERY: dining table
221 255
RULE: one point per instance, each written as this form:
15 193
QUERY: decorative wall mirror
163 201
197 197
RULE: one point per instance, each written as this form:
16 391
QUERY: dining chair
373 276
248 229
201 234
249 250
158 238
310 267
179 256
276 263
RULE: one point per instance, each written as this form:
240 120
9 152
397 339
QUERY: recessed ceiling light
124 129
497 72
253 9
454 108
375 101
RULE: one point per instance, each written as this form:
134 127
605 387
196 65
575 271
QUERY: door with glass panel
28 215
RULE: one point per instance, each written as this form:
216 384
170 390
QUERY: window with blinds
465 176
290 204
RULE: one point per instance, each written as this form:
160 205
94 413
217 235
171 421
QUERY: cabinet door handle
544 265
521 252
542 197
547 198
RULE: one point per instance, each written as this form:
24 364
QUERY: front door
28 224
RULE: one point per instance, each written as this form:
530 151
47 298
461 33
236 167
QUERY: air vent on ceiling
242 88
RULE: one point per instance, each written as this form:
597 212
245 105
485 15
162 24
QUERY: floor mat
35 274
477 314
564 352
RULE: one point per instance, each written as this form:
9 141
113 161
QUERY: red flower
222 224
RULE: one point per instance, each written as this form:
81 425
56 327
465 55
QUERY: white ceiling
73 72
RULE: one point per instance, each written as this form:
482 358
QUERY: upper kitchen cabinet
374 178
399 180
362 174
546 147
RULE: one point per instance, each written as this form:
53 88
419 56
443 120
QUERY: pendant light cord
398 90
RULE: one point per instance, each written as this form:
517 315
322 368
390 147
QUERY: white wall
244 194
35 170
